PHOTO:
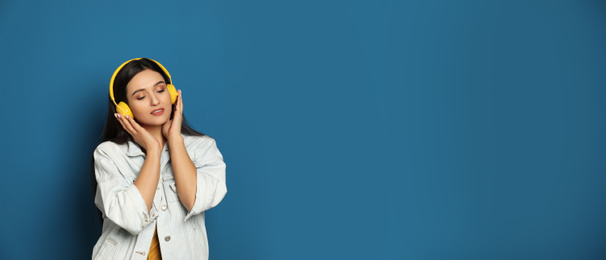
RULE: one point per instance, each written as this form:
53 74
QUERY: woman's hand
139 134
172 128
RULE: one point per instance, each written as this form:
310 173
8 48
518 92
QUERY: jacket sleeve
117 197
210 185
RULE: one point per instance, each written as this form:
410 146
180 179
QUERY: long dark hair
113 131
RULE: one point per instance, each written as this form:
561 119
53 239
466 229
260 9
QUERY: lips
158 112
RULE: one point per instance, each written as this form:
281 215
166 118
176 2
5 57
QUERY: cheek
135 107
166 97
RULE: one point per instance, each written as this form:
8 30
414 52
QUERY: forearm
147 181
184 171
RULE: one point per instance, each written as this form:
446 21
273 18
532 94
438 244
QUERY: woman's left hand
172 127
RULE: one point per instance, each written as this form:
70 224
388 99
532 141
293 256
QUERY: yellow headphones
123 108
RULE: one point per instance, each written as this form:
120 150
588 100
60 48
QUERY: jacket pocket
111 245
198 240
108 249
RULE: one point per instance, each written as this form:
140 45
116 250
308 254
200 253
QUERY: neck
156 132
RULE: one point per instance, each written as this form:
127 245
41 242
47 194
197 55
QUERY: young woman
155 175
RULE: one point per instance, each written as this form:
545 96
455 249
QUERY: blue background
351 129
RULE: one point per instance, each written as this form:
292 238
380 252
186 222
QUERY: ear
124 110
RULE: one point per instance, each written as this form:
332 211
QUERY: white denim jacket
128 227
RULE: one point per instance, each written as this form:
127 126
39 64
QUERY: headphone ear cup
124 110
173 93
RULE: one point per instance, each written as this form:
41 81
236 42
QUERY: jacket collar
133 149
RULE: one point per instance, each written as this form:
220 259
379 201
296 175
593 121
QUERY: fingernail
126 116
117 115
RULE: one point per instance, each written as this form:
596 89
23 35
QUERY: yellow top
154 250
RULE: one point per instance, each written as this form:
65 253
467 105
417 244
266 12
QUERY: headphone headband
111 82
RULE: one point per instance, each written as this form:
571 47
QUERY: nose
154 100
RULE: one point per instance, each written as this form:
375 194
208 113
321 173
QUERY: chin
154 121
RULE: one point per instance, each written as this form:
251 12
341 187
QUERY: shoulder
109 148
198 146
198 141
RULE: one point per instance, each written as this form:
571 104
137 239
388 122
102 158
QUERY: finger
120 119
180 104
133 123
129 126
179 108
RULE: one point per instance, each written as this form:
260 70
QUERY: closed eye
141 98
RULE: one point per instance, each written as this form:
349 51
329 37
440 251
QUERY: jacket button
163 207
167 238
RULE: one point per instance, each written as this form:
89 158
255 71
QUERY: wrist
174 139
153 150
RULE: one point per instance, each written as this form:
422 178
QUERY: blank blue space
351 129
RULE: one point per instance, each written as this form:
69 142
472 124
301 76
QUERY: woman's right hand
139 134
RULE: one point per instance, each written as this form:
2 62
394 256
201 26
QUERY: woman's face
148 98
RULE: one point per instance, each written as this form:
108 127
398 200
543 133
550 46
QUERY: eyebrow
141 89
